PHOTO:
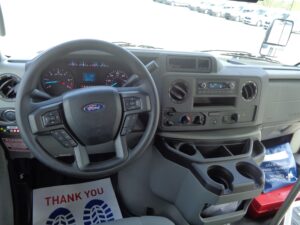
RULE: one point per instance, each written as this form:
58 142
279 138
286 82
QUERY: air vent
204 65
189 64
8 85
249 91
184 64
178 91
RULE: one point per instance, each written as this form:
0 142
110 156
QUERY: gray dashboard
201 97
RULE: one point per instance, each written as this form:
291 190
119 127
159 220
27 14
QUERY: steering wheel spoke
121 147
46 116
82 158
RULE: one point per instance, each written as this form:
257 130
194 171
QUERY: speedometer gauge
116 78
57 81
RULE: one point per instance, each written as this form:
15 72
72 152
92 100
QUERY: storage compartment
213 151
238 149
211 212
214 101
187 149
217 151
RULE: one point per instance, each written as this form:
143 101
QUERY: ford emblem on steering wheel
93 107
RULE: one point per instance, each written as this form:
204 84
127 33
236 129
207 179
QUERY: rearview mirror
276 37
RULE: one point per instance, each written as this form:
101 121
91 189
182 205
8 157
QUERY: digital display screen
89 77
218 85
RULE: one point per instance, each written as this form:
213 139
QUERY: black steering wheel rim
31 78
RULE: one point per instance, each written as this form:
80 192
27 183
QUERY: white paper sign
85 204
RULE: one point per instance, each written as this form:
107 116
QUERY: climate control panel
183 119
172 120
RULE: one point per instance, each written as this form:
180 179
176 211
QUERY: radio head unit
216 86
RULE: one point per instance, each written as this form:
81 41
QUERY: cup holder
222 176
251 172
187 149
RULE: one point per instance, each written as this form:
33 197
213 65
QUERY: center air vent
249 91
178 91
189 64
8 85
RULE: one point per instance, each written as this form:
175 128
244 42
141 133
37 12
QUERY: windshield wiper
128 44
245 55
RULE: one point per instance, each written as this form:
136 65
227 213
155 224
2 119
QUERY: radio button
199 120
232 85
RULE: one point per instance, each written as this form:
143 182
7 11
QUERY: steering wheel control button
125 131
130 120
51 118
64 138
132 103
129 123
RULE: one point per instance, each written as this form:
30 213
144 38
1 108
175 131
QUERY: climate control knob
203 85
185 119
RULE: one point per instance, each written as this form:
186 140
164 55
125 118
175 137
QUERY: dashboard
201 97
72 73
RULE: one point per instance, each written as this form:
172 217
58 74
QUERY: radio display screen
218 85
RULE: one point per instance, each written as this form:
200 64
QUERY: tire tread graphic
97 211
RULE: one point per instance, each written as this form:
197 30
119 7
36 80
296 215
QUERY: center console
223 178
221 175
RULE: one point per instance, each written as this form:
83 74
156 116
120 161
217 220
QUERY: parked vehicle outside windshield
180 25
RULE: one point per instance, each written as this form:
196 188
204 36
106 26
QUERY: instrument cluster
69 74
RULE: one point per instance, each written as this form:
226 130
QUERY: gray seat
145 220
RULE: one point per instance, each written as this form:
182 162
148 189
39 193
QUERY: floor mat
86 203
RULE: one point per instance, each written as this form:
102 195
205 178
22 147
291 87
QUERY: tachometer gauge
57 81
116 78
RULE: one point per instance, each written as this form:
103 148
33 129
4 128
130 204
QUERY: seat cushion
145 220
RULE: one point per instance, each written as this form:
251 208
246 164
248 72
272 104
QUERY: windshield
181 25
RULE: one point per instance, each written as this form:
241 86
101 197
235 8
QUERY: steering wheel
87 116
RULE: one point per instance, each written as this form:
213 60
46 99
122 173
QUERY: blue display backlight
89 77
